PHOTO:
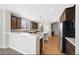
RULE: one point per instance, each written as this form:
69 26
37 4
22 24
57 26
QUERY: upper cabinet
23 23
34 25
68 14
15 22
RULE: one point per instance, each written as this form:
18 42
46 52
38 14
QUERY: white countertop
39 34
71 40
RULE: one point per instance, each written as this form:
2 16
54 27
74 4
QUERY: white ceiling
48 12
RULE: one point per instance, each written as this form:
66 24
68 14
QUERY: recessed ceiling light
51 9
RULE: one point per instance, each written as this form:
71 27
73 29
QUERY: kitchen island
25 43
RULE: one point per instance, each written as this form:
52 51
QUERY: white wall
40 27
25 23
47 29
1 29
28 24
56 28
5 28
77 29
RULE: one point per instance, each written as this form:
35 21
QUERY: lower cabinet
41 46
63 45
24 43
70 48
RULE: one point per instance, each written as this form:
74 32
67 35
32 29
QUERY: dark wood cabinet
68 29
68 14
34 25
15 22
63 45
63 16
70 48
41 46
18 23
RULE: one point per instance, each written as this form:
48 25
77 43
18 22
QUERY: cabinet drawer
70 48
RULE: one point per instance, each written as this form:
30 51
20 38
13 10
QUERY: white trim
17 50
21 51
3 47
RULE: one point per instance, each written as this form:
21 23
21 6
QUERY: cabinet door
18 23
70 13
70 49
63 17
34 25
13 23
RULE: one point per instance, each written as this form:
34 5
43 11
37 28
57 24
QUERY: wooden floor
51 47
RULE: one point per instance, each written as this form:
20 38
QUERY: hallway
51 47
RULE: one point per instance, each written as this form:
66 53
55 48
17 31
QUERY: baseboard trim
21 51
0 47
3 47
17 50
